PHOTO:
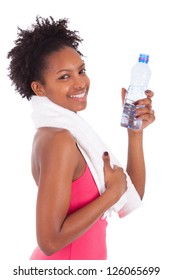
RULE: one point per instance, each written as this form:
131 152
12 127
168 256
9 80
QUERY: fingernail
105 154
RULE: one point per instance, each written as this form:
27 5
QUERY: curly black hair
33 46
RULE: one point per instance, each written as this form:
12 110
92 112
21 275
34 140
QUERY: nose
79 82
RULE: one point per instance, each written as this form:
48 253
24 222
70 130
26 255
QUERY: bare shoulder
50 133
47 139
53 148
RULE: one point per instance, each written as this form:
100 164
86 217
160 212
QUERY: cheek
55 89
87 81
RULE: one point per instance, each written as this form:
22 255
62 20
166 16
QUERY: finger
143 102
106 157
115 167
149 93
148 118
144 110
123 94
106 160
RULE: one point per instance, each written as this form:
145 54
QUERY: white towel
45 113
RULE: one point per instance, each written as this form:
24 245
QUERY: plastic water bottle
140 76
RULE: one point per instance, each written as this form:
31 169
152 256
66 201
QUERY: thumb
123 94
106 160
106 168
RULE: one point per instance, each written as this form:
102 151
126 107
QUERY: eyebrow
63 70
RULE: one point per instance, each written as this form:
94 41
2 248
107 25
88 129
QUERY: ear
38 89
123 94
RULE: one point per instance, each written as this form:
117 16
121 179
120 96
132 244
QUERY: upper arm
57 164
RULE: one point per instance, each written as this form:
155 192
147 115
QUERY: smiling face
65 80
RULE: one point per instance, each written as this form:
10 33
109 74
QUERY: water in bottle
140 76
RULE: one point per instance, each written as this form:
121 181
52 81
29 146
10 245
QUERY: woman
47 67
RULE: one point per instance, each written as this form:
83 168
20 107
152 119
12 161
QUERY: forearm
135 161
78 222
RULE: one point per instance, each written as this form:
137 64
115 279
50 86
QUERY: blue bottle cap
143 58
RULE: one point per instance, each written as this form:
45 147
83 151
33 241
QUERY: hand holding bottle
140 76
143 110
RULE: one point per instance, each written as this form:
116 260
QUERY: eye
82 71
64 77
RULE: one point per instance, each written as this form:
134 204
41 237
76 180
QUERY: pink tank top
92 244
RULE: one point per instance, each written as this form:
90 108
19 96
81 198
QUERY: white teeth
78 95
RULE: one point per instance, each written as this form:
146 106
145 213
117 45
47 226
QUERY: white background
114 34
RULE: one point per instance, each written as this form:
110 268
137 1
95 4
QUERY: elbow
49 245
47 248
141 193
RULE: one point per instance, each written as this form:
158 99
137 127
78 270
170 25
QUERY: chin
78 108
81 108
